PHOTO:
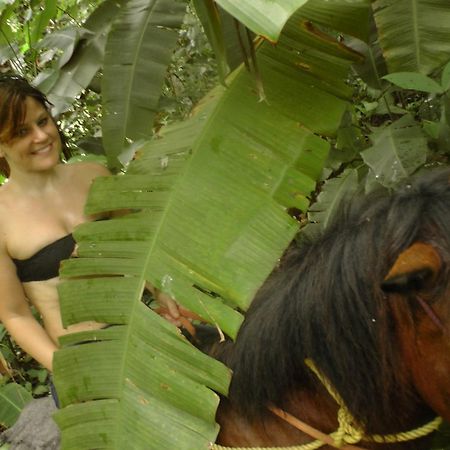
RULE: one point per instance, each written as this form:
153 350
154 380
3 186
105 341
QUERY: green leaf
138 52
264 17
414 34
2 332
350 140
351 18
40 374
397 151
42 19
369 180
443 135
82 58
211 198
331 196
232 194
65 40
445 77
8 34
210 18
432 128
137 375
13 398
312 63
415 81
373 67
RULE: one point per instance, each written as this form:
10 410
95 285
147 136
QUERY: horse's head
417 286
369 302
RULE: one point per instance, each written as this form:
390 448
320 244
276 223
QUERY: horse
349 337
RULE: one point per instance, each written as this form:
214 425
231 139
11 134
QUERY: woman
40 204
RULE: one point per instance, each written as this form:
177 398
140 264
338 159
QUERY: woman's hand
172 311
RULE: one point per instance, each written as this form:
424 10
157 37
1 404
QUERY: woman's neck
31 182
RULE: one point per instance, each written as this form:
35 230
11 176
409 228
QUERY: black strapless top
44 264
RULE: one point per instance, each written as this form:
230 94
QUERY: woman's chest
35 223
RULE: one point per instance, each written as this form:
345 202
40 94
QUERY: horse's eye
407 282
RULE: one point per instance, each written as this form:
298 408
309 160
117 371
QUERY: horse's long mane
325 302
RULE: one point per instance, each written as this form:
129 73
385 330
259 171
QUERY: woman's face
36 147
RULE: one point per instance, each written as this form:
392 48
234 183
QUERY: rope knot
348 432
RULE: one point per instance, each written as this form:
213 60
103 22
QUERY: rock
35 429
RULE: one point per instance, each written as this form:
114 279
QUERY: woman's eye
43 122
22 132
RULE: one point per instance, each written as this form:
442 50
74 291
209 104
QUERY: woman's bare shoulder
92 166
85 171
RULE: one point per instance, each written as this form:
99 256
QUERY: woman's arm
16 315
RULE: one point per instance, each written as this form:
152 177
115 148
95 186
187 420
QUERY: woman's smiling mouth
42 150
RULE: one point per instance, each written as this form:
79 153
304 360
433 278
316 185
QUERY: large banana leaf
82 57
41 20
264 17
414 34
210 198
349 17
7 34
267 18
138 51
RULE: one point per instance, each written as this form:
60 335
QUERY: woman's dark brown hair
14 90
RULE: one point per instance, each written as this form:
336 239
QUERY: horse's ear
415 268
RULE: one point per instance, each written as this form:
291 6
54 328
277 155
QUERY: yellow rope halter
311 446
348 432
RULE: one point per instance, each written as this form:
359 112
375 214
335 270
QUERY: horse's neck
318 410
270 430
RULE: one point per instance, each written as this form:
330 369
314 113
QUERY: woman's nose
39 134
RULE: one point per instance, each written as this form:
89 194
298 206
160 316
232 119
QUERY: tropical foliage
343 98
